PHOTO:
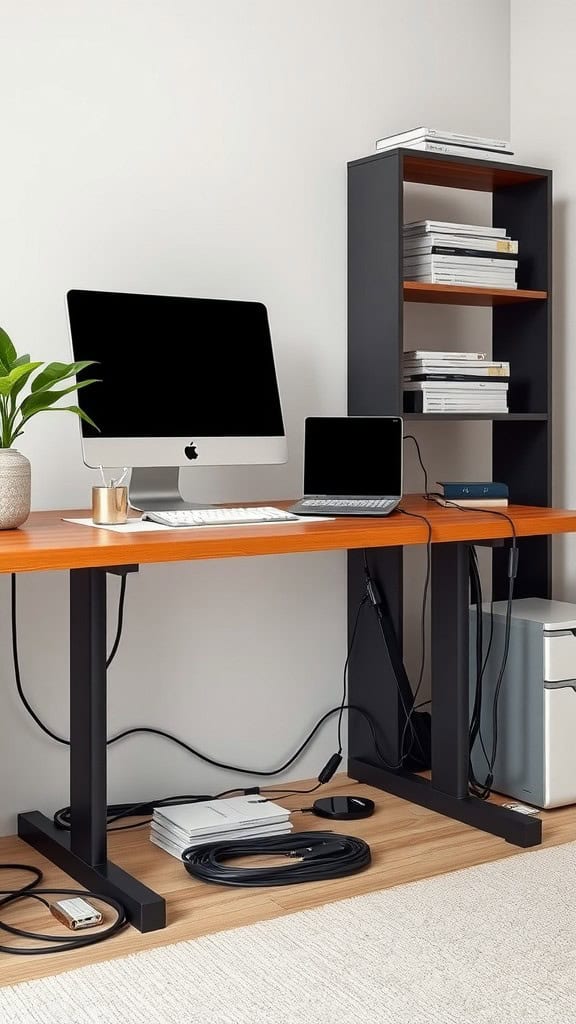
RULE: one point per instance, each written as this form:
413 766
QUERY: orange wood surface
455 172
456 295
47 542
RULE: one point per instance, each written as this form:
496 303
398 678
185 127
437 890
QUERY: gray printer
536 752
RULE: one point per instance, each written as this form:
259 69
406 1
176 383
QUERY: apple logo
190 451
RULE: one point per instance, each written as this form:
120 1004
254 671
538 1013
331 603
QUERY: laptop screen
353 456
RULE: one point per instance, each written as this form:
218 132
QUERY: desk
46 542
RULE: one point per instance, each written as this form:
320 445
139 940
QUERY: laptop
352 466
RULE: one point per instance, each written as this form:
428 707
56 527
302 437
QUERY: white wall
542 112
200 148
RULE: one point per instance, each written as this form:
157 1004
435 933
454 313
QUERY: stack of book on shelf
176 828
456 382
472 495
433 140
470 255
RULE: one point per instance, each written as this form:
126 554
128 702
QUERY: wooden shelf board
455 172
460 172
456 295
515 417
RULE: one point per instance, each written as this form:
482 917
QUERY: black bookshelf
521 333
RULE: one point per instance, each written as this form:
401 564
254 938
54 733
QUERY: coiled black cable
320 855
53 943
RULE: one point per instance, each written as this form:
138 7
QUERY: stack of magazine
441 252
176 828
454 382
434 140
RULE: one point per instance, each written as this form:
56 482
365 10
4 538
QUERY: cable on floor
53 943
314 856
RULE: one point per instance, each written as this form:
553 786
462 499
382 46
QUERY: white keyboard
221 516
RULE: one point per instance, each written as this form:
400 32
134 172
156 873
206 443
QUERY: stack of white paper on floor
174 829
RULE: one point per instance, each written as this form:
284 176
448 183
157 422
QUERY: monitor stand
157 489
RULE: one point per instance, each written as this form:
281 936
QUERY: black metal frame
521 455
82 852
446 791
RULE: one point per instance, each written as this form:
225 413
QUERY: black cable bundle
321 855
55 943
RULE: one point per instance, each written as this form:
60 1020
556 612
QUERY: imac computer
183 382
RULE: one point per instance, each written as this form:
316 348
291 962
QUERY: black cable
481 790
118 637
417 515
118 811
321 855
345 673
16 656
409 712
447 502
411 437
484 790
16 660
54 943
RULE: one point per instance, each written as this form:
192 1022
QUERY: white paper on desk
132 526
145 526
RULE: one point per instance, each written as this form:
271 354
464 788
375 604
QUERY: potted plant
22 396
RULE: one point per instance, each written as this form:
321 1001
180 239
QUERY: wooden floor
408 843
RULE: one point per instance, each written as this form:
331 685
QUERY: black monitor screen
354 456
175 367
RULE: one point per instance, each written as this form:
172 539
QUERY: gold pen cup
109 505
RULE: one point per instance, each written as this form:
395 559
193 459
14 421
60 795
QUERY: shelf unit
521 333
455 295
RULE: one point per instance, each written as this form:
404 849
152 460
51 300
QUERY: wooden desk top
46 542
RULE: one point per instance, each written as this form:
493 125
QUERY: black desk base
447 791
146 910
519 829
82 851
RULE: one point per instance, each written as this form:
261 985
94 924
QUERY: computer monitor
184 382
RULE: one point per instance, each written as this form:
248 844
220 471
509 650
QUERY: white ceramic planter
14 489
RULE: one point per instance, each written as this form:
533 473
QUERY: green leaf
21 360
43 400
10 380
79 412
53 373
27 369
7 350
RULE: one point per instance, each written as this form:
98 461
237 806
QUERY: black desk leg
82 851
447 790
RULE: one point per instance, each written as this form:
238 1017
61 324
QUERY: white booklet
172 842
215 817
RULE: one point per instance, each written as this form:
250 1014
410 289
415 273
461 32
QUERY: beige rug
494 944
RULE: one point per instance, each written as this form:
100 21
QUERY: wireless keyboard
221 516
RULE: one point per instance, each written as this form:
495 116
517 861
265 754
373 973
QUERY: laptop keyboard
353 503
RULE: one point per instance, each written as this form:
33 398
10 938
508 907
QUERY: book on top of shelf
439 135
452 228
456 242
466 152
